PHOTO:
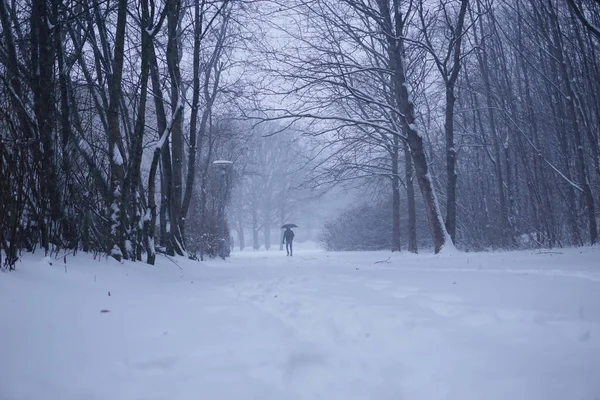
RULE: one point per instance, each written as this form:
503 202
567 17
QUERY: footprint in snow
304 360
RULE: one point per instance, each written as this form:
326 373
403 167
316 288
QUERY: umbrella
289 226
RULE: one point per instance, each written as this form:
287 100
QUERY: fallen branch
384 261
548 252
170 259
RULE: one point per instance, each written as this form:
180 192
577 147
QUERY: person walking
288 238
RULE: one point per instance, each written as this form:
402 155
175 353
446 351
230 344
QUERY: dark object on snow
286 226
104 311
288 238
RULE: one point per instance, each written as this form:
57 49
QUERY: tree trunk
212 70
267 235
176 166
255 243
202 214
161 153
267 223
191 169
396 244
410 194
450 165
150 219
134 173
69 231
165 165
42 64
450 81
240 230
116 245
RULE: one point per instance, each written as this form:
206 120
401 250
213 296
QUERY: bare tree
448 62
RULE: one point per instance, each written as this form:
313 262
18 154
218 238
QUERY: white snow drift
523 325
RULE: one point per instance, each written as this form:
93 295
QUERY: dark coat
288 235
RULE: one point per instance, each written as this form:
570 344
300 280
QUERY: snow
222 162
151 31
116 251
260 325
128 246
117 157
163 138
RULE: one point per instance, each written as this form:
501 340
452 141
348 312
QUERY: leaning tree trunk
406 109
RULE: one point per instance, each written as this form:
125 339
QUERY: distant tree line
268 192
488 108
367 226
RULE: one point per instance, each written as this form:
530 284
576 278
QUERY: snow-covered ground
523 325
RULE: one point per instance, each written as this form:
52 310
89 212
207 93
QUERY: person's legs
291 250
287 247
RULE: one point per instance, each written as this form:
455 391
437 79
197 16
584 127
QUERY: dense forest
472 122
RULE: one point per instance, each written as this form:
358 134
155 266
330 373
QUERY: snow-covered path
316 326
